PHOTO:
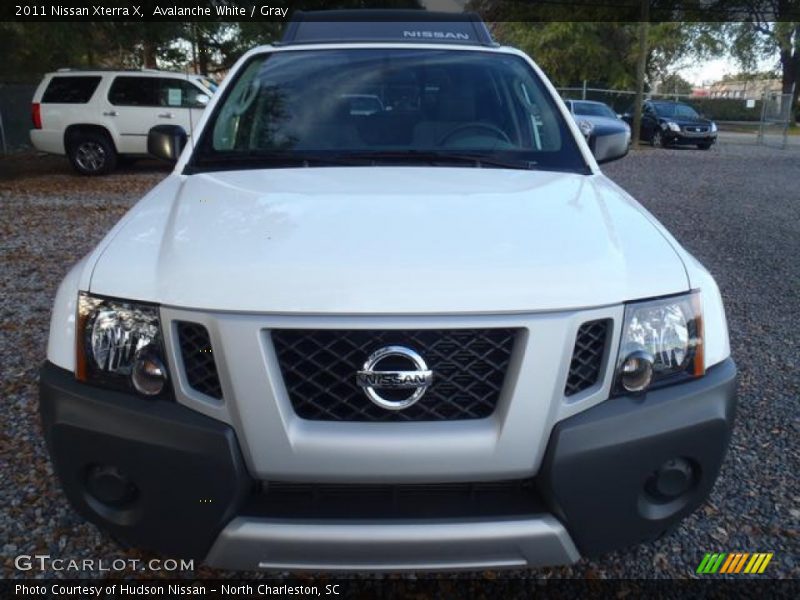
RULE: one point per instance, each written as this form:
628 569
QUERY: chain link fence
15 116
776 117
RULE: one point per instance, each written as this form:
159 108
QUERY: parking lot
736 208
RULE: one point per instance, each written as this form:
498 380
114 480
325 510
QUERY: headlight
662 342
672 126
586 128
120 345
713 126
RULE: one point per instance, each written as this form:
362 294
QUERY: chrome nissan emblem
371 379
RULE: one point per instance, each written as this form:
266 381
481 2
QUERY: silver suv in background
96 117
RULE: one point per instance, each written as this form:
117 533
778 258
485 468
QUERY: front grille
319 369
587 356
198 359
695 129
386 501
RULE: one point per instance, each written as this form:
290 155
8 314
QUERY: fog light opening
149 375
672 480
637 371
109 486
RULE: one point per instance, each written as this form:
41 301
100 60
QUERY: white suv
431 335
94 117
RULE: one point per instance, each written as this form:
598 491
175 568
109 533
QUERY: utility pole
644 25
194 48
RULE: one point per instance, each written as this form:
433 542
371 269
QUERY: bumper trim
187 470
401 545
599 463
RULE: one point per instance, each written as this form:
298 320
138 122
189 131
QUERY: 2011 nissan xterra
427 335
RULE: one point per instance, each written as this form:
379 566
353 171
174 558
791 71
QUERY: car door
138 103
133 109
181 102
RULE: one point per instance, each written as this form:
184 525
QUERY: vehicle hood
388 240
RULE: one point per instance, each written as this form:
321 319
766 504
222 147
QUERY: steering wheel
459 131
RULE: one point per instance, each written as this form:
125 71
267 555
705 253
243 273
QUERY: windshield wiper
434 157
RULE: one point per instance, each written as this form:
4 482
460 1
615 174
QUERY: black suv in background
666 123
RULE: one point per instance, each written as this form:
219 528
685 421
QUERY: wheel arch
74 130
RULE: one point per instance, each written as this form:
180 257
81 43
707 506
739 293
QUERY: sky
713 70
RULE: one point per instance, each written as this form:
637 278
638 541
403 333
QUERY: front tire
92 153
657 139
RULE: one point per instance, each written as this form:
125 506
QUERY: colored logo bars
735 562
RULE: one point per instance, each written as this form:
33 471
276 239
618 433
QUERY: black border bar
490 10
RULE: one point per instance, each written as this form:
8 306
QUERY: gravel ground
737 208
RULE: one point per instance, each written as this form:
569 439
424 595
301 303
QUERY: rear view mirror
166 142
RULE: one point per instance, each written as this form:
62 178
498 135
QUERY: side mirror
609 157
202 99
166 142
606 153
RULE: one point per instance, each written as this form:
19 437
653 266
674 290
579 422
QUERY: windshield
675 110
369 106
591 109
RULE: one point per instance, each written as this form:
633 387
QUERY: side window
70 90
134 91
176 93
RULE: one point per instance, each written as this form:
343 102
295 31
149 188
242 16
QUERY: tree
758 39
605 53
674 84
571 52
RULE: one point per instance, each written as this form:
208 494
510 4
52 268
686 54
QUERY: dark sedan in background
666 123
609 136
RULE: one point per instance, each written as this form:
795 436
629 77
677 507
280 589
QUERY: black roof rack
364 26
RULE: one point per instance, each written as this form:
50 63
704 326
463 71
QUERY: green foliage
674 84
751 76
727 109
754 40
31 49
570 52
604 54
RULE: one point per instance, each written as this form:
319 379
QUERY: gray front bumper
251 543
589 497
